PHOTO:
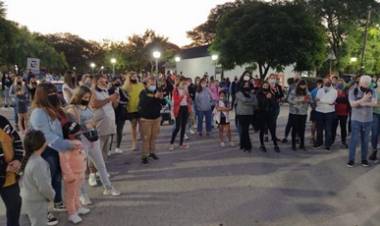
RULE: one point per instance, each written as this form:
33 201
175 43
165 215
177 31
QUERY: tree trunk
263 69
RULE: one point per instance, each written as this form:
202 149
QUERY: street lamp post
156 56
92 65
113 62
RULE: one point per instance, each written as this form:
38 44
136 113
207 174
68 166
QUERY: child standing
73 165
21 101
36 189
222 118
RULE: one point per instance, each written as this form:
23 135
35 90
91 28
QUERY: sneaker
191 131
111 192
171 148
59 207
263 149
276 149
284 141
154 156
133 148
344 144
145 160
365 163
327 148
83 211
85 200
92 180
222 144
51 219
350 164
373 156
118 151
187 137
75 219
109 153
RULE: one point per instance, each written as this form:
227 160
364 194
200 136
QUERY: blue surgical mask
152 88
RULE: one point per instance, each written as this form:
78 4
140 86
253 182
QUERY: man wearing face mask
104 114
362 100
325 112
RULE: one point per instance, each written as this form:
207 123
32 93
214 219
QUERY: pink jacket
73 164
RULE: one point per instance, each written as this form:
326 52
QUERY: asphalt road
212 186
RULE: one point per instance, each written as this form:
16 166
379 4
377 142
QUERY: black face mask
84 102
117 84
19 83
364 90
53 100
133 81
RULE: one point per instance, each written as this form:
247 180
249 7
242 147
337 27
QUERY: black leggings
268 124
245 141
289 125
180 124
12 201
299 124
342 121
119 132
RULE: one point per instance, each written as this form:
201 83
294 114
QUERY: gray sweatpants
36 212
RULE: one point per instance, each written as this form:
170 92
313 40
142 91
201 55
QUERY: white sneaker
133 148
118 151
171 148
75 219
85 200
83 211
98 175
187 137
222 144
92 180
112 192
192 132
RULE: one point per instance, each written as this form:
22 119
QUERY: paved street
212 186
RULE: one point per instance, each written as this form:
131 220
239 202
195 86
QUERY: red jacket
177 102
342 105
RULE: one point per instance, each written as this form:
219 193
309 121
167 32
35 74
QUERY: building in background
197 61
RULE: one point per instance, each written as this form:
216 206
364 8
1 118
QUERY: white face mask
246 78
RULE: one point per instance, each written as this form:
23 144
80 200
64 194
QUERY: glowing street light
156 56
92 66
113 62
214 57
177 59
353 59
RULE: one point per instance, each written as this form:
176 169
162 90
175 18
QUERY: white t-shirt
105 116
327 98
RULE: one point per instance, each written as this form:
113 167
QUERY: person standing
292 82
234 88
342 109
375 125
181 109
104 114
68 86
245 102
6 83
299 101
362 100
11 155
203 102
133 88
19 92
326 115
313 113
45 117
192 89
150 104
36 189
120 112
266 115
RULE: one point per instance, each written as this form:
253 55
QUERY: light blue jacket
52 129
203 100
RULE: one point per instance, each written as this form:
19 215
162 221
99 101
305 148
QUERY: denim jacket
52 129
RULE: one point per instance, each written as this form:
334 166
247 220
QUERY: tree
271 35
2 9
339 17
204 34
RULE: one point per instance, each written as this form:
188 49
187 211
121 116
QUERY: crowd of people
69 134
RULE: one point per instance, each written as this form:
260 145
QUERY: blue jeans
375 131
360 133
325 123
52 158
208 116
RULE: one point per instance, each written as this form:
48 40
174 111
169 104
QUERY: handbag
91 135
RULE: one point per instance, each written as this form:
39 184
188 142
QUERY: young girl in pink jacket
73 165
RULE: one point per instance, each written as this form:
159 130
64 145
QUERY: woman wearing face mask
45 117
266 115
278 94
81 113
104 114
203 102
299 100
151 102
245 104
181 108
325 112
133 88
342 109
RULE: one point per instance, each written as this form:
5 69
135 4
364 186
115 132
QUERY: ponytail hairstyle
33 141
